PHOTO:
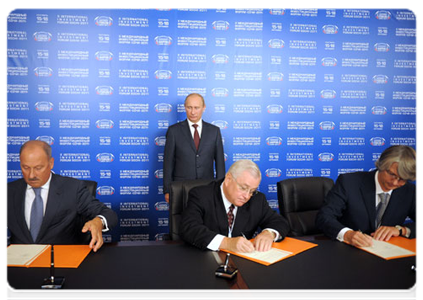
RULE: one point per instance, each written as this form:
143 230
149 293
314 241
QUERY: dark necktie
36 214
231 216
196 136
380 208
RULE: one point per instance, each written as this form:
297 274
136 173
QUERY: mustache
33 179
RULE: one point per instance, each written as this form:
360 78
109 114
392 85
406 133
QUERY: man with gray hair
226 213
374 204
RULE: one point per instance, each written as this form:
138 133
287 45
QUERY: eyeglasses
244 189
396 177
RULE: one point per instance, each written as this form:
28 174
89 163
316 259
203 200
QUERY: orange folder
288 244
65 256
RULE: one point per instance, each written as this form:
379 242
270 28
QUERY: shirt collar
226 202
199 123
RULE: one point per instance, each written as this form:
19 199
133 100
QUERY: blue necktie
36 214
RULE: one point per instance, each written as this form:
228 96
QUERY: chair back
178 199
300 200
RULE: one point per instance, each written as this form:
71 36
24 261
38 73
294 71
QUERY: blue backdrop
301 92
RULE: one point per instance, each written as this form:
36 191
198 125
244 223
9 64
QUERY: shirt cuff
407 232
277 235
340 236
104 221
215 242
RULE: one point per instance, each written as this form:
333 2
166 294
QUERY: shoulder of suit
210 125
178 124
16 183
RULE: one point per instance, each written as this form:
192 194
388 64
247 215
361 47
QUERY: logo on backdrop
42 36
383 15
377 141
326 156
273 172
220 25
105 190
44 106
103 21
105 157
103 55
104 124
46 138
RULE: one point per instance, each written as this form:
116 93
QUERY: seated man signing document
226 213
374 204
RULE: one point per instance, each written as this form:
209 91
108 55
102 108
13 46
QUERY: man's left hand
264 241
384 233
95 226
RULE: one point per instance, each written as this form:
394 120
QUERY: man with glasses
374 204
226 213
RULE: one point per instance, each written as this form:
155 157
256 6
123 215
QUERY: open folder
281 250
396 247
39 256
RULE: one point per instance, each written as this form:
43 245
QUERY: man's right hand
358 239
167 197
237 244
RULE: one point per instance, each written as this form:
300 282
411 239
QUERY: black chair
85 238
178 199
300 200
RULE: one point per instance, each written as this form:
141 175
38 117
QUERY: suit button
197 155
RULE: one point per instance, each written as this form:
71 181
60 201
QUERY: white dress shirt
199 128
30 197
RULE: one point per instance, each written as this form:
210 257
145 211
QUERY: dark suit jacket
205 216
351 203
68 200
183 162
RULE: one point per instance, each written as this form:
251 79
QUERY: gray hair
405 156
242 165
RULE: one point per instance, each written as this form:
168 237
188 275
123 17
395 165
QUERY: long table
175 265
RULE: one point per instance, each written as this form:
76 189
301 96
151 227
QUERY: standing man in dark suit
373 203
226 213
192 146
43 208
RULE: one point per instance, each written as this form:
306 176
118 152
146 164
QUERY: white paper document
23 255
387 250
271 256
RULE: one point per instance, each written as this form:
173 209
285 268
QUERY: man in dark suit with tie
192 146
226 213
44 208
376 203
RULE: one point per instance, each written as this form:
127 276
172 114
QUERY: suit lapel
241 220
393 204
368 190
221 216
19 208
53 204
205 132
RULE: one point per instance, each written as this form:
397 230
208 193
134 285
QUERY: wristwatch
399 228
